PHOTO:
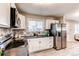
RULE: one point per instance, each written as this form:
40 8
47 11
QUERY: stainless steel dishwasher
26 45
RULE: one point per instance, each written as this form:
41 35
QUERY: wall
70 29
47 20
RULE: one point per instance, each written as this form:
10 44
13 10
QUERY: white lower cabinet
49 42
33 45
43 44
38 44
46 43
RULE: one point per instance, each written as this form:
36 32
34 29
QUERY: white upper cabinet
22 20
5 14
49 21
13 5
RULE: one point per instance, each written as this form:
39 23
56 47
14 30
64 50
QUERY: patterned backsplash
4 31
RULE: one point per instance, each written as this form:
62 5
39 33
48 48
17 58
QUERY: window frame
35 19
76 29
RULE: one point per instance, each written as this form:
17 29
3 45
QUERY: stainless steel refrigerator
58 31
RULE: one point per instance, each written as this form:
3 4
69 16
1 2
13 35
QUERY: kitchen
32 30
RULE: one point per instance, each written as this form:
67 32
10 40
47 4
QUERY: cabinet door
22 19
50 42
33 45
46 43
13 5
5 14
43 43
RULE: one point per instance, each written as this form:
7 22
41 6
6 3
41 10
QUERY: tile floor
71 50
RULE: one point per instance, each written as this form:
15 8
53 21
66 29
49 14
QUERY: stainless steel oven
4 41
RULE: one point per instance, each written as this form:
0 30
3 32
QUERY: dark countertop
29 37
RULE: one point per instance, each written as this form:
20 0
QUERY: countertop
31 37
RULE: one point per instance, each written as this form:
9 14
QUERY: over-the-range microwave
15 21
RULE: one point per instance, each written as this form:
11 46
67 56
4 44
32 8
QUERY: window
35 25
76 28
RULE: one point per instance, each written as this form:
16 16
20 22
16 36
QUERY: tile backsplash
4 31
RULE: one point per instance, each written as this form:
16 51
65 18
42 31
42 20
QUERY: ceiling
50 9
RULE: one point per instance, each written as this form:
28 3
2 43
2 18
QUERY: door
57 38
46 43
58 43
49 42
63 41
22 21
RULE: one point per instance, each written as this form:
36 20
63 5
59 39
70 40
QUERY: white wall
70 30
